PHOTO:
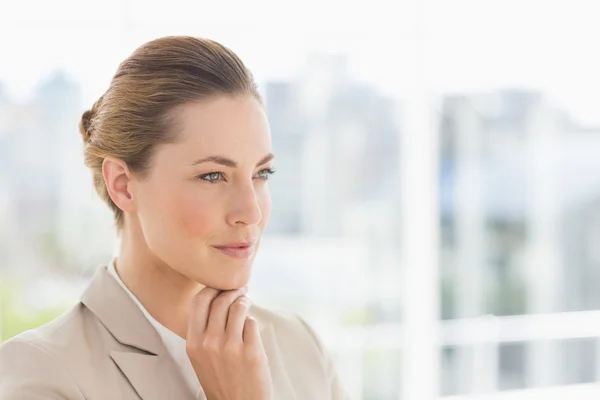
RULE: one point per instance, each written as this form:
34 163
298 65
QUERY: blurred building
336 142
44 186
31 173
517 174
337 146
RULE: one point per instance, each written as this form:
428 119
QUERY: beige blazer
105 349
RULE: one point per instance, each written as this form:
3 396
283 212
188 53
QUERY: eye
212 177
265 173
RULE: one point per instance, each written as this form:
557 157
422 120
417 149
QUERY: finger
219 310
251 334
200 309
237 316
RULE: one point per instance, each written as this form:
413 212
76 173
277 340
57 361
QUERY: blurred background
436 211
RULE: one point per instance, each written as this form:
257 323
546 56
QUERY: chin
223 273
230 284
226 278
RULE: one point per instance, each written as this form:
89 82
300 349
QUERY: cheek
196 215
178 211
185 213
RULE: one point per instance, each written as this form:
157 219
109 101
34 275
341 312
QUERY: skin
178 214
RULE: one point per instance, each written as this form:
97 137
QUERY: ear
117 178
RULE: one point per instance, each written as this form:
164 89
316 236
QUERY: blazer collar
119 314
152 372
117 311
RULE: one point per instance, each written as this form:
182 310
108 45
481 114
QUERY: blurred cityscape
519 198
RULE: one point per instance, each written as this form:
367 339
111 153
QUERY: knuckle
253 355
192 346
205 293
223 300
240 305
211 344
202 299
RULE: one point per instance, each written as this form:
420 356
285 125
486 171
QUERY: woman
180 150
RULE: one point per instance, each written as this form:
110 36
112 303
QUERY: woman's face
205 204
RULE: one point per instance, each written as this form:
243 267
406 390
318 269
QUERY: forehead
224 124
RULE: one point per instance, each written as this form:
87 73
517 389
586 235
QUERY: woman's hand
225 348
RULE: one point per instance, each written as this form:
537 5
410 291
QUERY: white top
174 343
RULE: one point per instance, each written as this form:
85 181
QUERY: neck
165 293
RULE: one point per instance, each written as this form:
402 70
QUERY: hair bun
84 125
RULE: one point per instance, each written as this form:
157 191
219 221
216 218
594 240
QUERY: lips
239 250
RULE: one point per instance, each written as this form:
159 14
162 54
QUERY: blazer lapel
282 386
147 366
143 372
152 377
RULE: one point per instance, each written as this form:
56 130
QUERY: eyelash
268 171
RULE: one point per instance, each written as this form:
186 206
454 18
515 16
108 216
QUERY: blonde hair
138 110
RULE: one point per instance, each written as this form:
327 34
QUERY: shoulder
32 363
282 319
58 336
294 336
305 357
287 323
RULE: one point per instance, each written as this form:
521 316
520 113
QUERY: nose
244 208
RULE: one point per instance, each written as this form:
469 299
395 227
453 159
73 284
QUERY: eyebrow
230 163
